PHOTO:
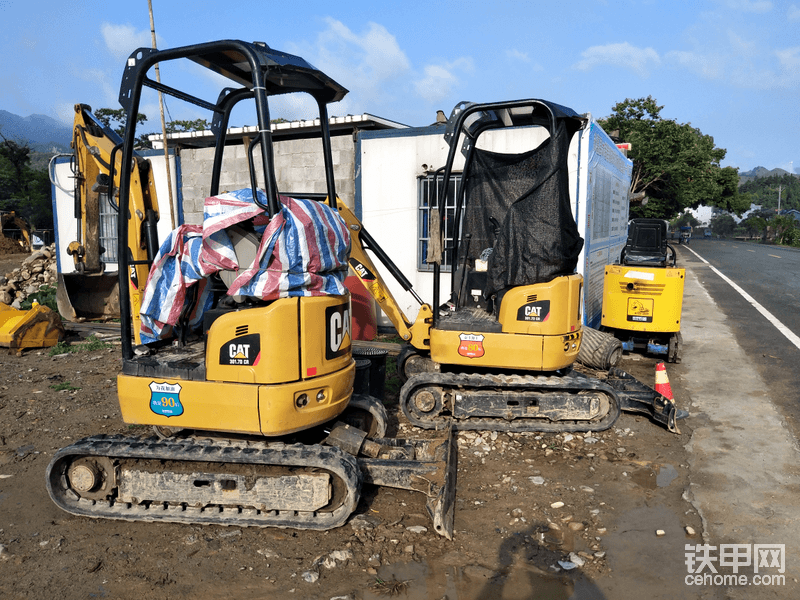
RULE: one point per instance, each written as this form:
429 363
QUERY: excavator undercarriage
511 403
246 482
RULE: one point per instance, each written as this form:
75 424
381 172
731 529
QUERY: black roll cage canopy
262 72
472 120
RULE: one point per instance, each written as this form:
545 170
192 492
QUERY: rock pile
38 270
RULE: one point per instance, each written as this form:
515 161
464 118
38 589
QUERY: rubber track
539 383
341 465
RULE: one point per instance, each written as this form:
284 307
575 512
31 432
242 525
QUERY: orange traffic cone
662 381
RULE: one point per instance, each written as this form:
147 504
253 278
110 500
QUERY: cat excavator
498 353
242 360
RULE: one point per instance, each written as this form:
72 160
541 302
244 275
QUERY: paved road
742 455
769 274
770 278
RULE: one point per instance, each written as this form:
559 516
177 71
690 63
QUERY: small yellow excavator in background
14 227
38 326
256 417
643 292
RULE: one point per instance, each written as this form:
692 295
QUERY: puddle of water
644 564
653 477
420 581
666 475
518 579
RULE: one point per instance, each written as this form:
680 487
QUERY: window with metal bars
429 188
108 230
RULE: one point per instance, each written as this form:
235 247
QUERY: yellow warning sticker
640 310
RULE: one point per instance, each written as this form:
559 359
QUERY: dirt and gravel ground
529 509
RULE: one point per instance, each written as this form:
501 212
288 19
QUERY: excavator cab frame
262 72
468 121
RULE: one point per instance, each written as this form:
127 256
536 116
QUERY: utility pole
780 187
163 122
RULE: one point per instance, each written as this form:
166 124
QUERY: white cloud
436 84
376 70
517 55
749 6
377 50
439 80
789 60
793 13
367 63
295 107
737 52
103 82
707 67
65 112
121 40
523 57
638 60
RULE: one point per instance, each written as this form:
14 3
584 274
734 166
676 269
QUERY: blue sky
729 67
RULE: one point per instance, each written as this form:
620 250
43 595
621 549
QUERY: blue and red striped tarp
303 251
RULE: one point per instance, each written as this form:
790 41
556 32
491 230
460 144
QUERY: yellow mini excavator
643 292
498 353
256 417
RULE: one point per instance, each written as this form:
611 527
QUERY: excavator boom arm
416 333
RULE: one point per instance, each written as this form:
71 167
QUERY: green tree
195 125
767 190
786 230
686 218
22 189
723 225
116 119
675 166
754 226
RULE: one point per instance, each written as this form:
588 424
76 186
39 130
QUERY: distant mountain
42 133
759 172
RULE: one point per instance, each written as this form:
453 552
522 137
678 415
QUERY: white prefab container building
387 174
395 177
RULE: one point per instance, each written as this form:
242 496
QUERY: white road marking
767 315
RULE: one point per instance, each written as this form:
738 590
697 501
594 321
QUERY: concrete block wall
299 168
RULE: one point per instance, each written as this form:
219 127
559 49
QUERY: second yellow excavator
498 353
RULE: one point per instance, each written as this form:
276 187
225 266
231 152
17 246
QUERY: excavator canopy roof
283 73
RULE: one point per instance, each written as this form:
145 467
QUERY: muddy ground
513 537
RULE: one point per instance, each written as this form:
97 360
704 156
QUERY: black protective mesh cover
519 205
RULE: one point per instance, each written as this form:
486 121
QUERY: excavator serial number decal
337 331
165 399
244 350
534 311
471 345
